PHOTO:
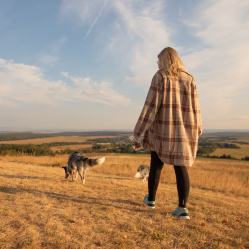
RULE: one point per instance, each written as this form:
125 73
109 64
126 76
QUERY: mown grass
39 208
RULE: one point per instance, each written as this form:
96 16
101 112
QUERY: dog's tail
94 162
137 175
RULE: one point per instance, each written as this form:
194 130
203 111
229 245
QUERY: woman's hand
135 141
137 145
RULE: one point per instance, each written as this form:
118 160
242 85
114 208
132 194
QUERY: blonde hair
170 61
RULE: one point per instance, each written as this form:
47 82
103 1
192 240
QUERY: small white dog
143 172
80 164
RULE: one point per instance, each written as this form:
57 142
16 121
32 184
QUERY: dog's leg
83 180
75 176
81 173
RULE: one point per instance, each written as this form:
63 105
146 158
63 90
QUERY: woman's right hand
135 141
137 145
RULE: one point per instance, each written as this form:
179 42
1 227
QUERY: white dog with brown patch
80 164
143 172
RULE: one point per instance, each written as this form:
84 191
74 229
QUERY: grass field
74 147
54 139
236 153
235 139
39 208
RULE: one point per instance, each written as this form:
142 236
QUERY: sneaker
150 204
181 214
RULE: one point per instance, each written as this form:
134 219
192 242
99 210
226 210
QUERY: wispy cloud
83 12
52 55
221 66
135 35
95 20
27 84
217 53
89 90
141 26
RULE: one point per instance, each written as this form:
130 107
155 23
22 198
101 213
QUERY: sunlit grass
39 208
77 139
216 174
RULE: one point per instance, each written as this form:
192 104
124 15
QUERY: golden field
39 208
74 147
36 141
236 153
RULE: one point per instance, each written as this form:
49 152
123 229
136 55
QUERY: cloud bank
22 83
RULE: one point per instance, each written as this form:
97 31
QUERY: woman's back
177 124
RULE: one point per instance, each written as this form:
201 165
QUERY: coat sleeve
151 106
197 111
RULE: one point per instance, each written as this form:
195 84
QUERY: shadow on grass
25 177
114 178
83 199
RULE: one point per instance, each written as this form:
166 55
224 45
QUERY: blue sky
76 64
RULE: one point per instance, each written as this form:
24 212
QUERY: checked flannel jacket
171 118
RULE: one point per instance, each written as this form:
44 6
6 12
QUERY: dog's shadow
25 177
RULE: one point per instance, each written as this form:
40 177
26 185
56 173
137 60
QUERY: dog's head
67 173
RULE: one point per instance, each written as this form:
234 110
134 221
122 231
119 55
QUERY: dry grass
236 153
74 147
243 138
54 139
41 209
219 175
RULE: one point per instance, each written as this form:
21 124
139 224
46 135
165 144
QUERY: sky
87 65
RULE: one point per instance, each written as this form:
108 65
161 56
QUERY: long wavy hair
170 61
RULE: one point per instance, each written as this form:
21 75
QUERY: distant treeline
113 140
224 156
29 135
28 149
54 144
118 144
207 146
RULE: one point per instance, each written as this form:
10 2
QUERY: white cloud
136 33
27 84
221 66
141 26
93 91
216 30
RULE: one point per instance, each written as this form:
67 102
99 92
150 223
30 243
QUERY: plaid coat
171 118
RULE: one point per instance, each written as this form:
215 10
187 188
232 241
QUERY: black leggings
182 179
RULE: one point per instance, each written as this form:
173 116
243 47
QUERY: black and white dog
80 164
143 172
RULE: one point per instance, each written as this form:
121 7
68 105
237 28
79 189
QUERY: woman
171 123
